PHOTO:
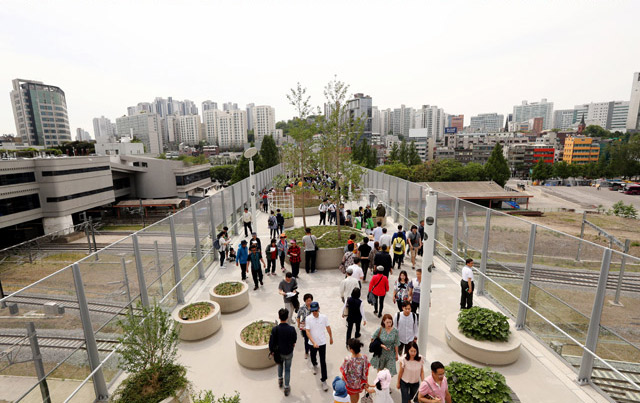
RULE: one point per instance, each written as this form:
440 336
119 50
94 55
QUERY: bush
207 396
327 235
257 333
622 210
469 384
228 288
195 311
152 385
483 324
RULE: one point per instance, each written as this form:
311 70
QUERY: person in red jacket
294 257
379 285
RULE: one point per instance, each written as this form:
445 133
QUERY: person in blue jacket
242 255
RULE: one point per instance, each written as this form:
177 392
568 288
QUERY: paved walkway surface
538 375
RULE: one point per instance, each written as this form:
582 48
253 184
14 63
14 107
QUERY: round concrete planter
201 328
182 396
485 352
297 212
231 303
288 222
252 357
326 258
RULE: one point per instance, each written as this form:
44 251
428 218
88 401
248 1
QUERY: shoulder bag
315 247
275 353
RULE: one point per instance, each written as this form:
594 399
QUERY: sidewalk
538 375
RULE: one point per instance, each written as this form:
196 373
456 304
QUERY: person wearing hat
379 286
295 256
340 391
315 326
241 258
348 284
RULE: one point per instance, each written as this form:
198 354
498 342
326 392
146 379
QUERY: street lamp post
250 153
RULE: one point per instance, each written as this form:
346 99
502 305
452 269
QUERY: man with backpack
407 324
280 221
398 246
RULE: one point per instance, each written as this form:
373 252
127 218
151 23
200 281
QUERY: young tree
541 170
394 154
496 167
222 173
561 170
339 135
269 155
403 153
413 158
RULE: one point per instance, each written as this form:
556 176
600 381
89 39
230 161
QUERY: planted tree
469 384
496 167
541 171
269 155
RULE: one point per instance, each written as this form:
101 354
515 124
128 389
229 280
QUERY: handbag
315 247
366 398
345 311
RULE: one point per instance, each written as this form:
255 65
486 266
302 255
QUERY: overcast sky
467 57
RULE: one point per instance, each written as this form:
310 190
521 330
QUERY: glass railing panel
186 248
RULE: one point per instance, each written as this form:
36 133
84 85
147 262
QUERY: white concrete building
432 118
103 130
188 129
251 111
145 127
82 135
543 109
226 129
619 115
402 121
633 118
264 121
486 123
121 148
563 119
208 104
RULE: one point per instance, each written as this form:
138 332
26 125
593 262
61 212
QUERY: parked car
615 186
632 190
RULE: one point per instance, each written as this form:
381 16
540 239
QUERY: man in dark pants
282 341
315 326
309 242
322 208
383 259
467 285
246 221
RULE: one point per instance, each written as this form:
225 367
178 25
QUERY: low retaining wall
326 258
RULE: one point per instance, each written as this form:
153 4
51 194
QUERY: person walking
388 336
372 258
246 221
223 245
281 342
357 272
407 324
411 373
340 394
272 256
347 258
303 312
347 285
355 370
414 291
309 242
467 285
332 213
401 290
272 222
415 244
322 208
280 221
288 288
379 285
242 256
315 325
363 253
383 259
265 202
256 267
385 239
283 247
382 390
294 254
377 232
435 385
354 309
255 241
398 246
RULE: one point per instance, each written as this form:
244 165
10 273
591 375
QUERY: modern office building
619 115
145 127
103 130
486 123
250 115
580 150
264 121
40 113
82 135
526 111
563 119
361 107
226 129
386 122
432 118
608 115
456 121
120 148
189 130
633 119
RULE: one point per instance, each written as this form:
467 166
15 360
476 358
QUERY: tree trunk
338 216
304 216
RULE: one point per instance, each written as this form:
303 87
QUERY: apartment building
580 150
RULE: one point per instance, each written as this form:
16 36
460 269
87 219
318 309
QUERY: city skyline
474 65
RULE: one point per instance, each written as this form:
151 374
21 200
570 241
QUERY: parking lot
578 197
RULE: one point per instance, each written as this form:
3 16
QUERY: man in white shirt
322 208
467 285
315 326
246 220
358 274
377 232
348 284
407 324
385 239
331 208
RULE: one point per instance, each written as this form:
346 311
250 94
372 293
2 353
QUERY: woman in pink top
435 389
411 373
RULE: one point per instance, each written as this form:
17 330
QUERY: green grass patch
327 235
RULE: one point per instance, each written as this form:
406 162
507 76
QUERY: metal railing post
158 267
196 236
616 300
526 280
99 384
212 224
176 262
485 252
127 290
142 284
586 366
454 243
584 217
37 362
234 216
224 209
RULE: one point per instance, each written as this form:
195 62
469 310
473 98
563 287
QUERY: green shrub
195 311
469 384
207 396
152 385
327 235
483 324
257 333
228 288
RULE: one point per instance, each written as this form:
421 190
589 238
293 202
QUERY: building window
19 204
78 195
191 178
14 179
75 171
121 183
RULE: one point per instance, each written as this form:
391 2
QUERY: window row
78 195
75 171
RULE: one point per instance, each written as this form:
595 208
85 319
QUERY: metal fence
531 272
74 311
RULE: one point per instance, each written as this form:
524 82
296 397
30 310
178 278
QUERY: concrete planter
326 258
201 328
485 352
252 357
182 396
231 303
308 211
288 222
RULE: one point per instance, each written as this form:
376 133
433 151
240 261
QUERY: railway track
584 278
112 309
58 342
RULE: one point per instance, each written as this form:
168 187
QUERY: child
232 254
340 391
